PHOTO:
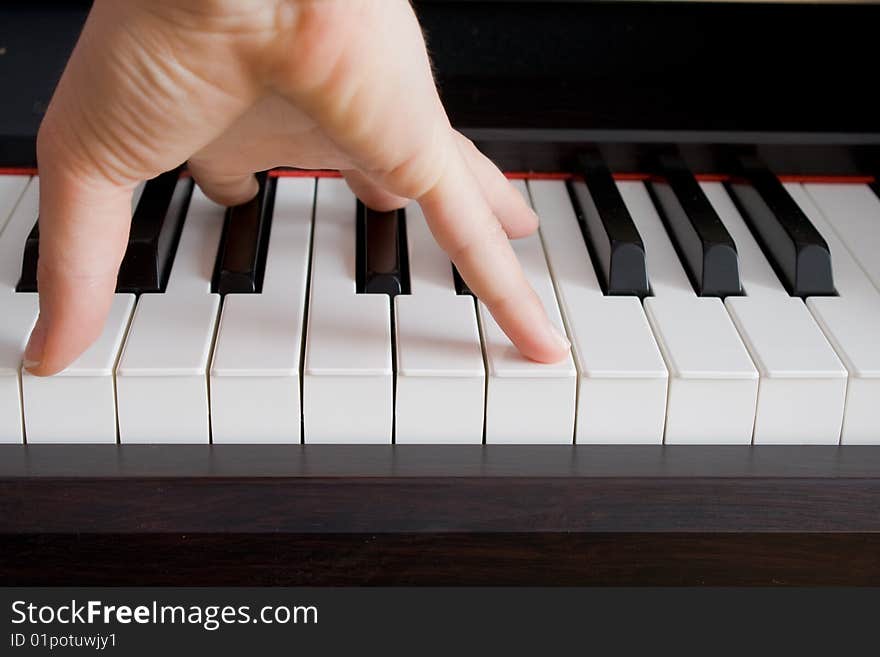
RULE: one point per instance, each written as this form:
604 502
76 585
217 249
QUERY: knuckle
420 170
476 245
225 188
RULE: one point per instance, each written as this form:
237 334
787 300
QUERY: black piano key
241 258
794 247
461 287
155 227
151 241
382 254
28 280
611 235
703 243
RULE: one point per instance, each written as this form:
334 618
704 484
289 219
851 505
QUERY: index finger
464 225
83 235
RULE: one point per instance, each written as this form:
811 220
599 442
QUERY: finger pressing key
466 228
83 234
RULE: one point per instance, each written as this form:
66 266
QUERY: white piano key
851 328
78 405
802 388
11 189
440 370
850 322
255 388
803 384
347 372
622 379
162 382
19 312
713 384
853 212
528 402
19 196
193 266
14 234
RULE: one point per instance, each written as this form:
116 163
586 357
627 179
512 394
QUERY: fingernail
559 338
33 353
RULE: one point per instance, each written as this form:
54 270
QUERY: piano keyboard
699 312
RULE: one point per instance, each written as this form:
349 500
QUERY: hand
238 86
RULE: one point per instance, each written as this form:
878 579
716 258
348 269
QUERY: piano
301 390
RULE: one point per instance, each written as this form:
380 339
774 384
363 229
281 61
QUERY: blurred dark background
607 68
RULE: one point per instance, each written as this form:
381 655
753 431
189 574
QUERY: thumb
83 235
99 137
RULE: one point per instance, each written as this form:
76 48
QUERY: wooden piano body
533 83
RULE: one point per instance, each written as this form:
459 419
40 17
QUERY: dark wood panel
442 559
349 505
347 489
87 462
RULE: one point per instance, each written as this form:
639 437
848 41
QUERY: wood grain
442 559
384 489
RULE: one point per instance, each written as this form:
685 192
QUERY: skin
238 86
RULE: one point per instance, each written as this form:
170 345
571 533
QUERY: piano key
708 250
610 231
162 390
347 372
155 227
854 213
20 197
789 240
850 322
27 282
713 384
460 286
622 379
243 243
11 189
255 384
78 405
381 240
136 194
18 210
802 389
19 312
528 402
440 382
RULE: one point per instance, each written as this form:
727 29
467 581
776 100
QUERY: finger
372 92
125 109
83 235
513 211
222 187
464 225
371 194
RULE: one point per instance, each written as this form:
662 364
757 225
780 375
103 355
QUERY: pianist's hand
238 86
